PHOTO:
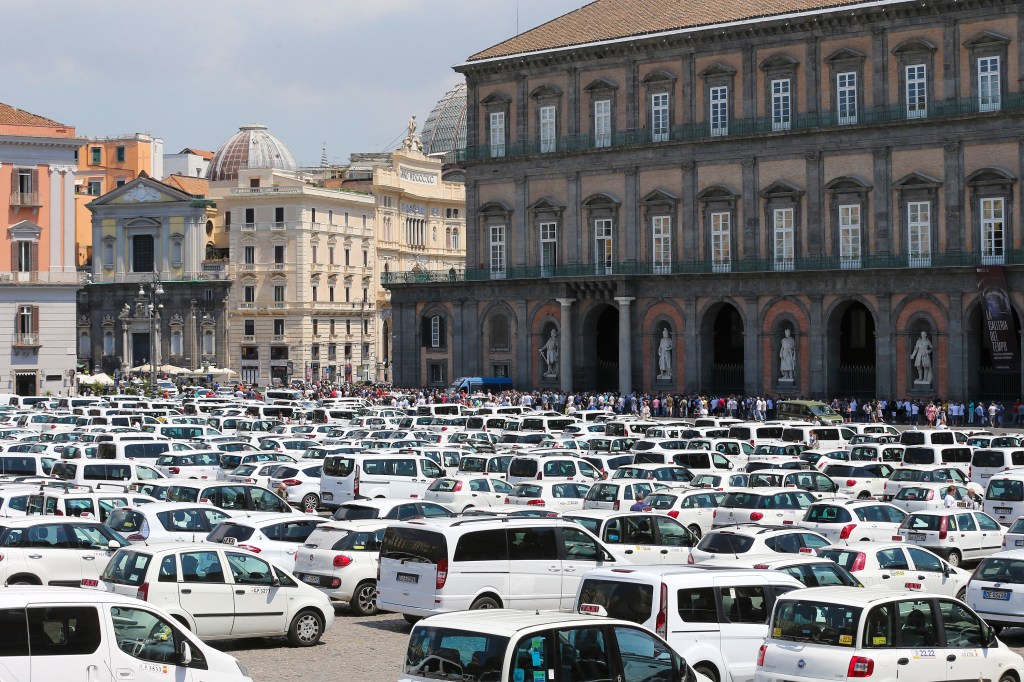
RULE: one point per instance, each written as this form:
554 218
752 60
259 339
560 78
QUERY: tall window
497 251
249 255
547 129
435 331
278 327
249 327
603 123
548 248
661 240
142 253
721 253
992 216
846 96
25 261
919 233
497 133
249 294
917 92
782 219
279 253
659 117
719 110
279 293
455 238
176 342
849 236
989 98
603 246
782 104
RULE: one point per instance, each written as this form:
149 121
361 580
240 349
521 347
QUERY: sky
347 73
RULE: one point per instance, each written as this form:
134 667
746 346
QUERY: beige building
421 225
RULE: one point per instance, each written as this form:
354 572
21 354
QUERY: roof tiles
14 116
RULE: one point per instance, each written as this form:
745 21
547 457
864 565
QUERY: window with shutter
35 319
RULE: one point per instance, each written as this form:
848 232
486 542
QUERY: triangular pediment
26 229
496 98
915 181
600 84
717 70
780 188
987 38
844 54
141 190
545 205
659 196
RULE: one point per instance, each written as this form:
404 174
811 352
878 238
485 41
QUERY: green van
807 411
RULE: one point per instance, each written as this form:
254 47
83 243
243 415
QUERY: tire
311 501
864 495
485 603
954 559
1007 677
24 580
411 619
695 529
707 670
962 594
364 599
306 629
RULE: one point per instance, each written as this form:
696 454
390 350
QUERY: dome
251 147
445 129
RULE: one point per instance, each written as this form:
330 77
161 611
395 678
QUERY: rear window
414 544
742 501
988 458
126 521
18 466
1005 490
177 493
725 543
230 461
919 456
999 570
526 490
923 522
338 466
628 601
827 513
286 472
523 468
802 621
356 513
443 485
127 568
604 492
660 501
235 532
956 455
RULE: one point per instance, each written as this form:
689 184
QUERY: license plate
229 541
1001 595
917 536
311 579
408 578
1018 543
1002 510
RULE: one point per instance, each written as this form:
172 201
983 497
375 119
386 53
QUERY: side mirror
113 545
988 636
185 653
276 582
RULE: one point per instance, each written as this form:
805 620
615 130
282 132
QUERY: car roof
602 513
872 546
660 572
260 519
509 622
850 596
383 503
362 524
758 529
36 520
17 595
944 511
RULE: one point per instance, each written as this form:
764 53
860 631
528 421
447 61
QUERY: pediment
917 181
142 190
601 199
24 230
546 90
990 176
914 45
716 192
658 76
847 183
717 69
545 205
495 207
601 84
659 196
780 188
845 54
986 38
778 61
496 98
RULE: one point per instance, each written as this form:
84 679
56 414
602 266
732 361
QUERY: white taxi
464 492
853 519
1014 536
955 534
555 495
860 479
769 506
920 496
54 550
838 633
219 592
275 537
341 559
753 540
693 508
996 589
643 538
899 566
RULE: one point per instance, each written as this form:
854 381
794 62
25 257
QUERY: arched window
108 342
176 342
209 347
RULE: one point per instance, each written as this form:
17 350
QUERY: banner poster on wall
998 330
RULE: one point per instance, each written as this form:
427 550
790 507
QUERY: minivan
954 455
988 461
454 564
367 476
807 411
550 466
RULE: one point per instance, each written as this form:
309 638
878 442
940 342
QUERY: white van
549 466
366 476
1004 496
93 471
933 437
65 633
453 564
831 436
637 428
933 455
182 431
149 449
988 461
713 618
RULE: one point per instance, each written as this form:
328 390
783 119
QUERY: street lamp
152 290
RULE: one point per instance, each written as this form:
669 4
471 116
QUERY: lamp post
152 290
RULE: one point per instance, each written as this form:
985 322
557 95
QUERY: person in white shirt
950 499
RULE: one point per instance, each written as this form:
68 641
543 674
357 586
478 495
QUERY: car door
64 641
146 647
965 641
48 555
535 568
991 533
203 592
90 543
579 553
673 540
893 569
745 625
968 537
901 637
565 496
481 494
932 573
260 606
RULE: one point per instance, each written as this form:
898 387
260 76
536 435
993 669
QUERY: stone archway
599 346
852 352
722 364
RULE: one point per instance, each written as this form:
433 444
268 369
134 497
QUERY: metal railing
800 122
26 340
705 266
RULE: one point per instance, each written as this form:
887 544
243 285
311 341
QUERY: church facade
822 202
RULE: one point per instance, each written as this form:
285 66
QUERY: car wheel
306 629
962 594
24 580
706 670
1007 677
310 502
411 619
485 603
864 495
364 599
954 559
695 529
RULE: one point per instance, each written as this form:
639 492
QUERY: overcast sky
345 72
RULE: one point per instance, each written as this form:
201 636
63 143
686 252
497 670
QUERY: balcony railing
26 340
250 191
25 199
707 266
247 306
694 132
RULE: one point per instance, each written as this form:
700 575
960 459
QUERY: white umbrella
141 368
99 378
172 369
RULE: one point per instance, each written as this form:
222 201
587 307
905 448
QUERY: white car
395 509
693 508
862 520
299 484
220 592
756 539
1014 536
555 495
54 550
768 506
616 494
920 496
341 559
860 479
643 538
465 492
816 483
276 537
925 473
955 534
996 589
166 521
811 570
255 473
899 566
203 464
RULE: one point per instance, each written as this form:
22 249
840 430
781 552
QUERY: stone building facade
672 189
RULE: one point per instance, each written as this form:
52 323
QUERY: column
818 349
885 347
565 345
956 350
882 177
625 346
70 261
55 227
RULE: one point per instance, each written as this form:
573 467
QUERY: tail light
760 655
674 513
756 516
661 623
714 513
143 592
860 667
850 482
508 501
136 537
174 470
355 482
252 548
858 562
540 475
847 529
59 512
943 526
341 561
291 481
458 487
535 503
442 573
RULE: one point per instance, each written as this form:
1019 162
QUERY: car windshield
824 623
445 653
1000 570
1005 490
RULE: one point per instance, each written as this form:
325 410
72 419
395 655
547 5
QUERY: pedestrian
639 504
950 499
